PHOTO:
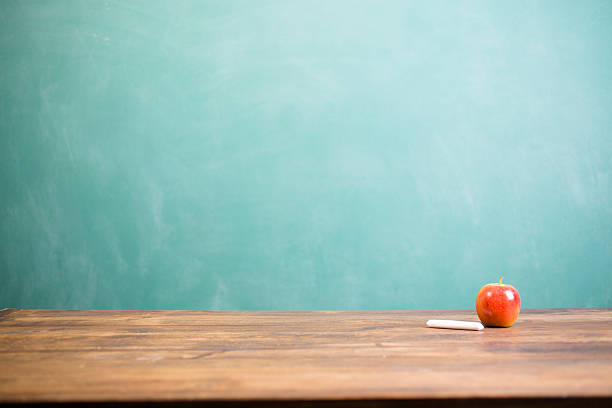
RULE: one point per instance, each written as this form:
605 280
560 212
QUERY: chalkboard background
304 154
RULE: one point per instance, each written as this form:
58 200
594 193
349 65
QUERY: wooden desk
559 357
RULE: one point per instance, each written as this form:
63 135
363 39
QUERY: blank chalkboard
304 154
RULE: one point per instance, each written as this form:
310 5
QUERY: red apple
498 304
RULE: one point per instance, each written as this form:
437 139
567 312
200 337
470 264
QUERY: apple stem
500 279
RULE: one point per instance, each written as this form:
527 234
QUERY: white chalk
454 324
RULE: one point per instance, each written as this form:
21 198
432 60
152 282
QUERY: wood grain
191 356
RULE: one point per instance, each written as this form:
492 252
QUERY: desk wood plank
63 356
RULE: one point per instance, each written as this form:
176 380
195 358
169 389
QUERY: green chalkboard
304 154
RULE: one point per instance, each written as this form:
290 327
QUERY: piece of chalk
454 324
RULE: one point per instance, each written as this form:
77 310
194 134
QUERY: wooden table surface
557 356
